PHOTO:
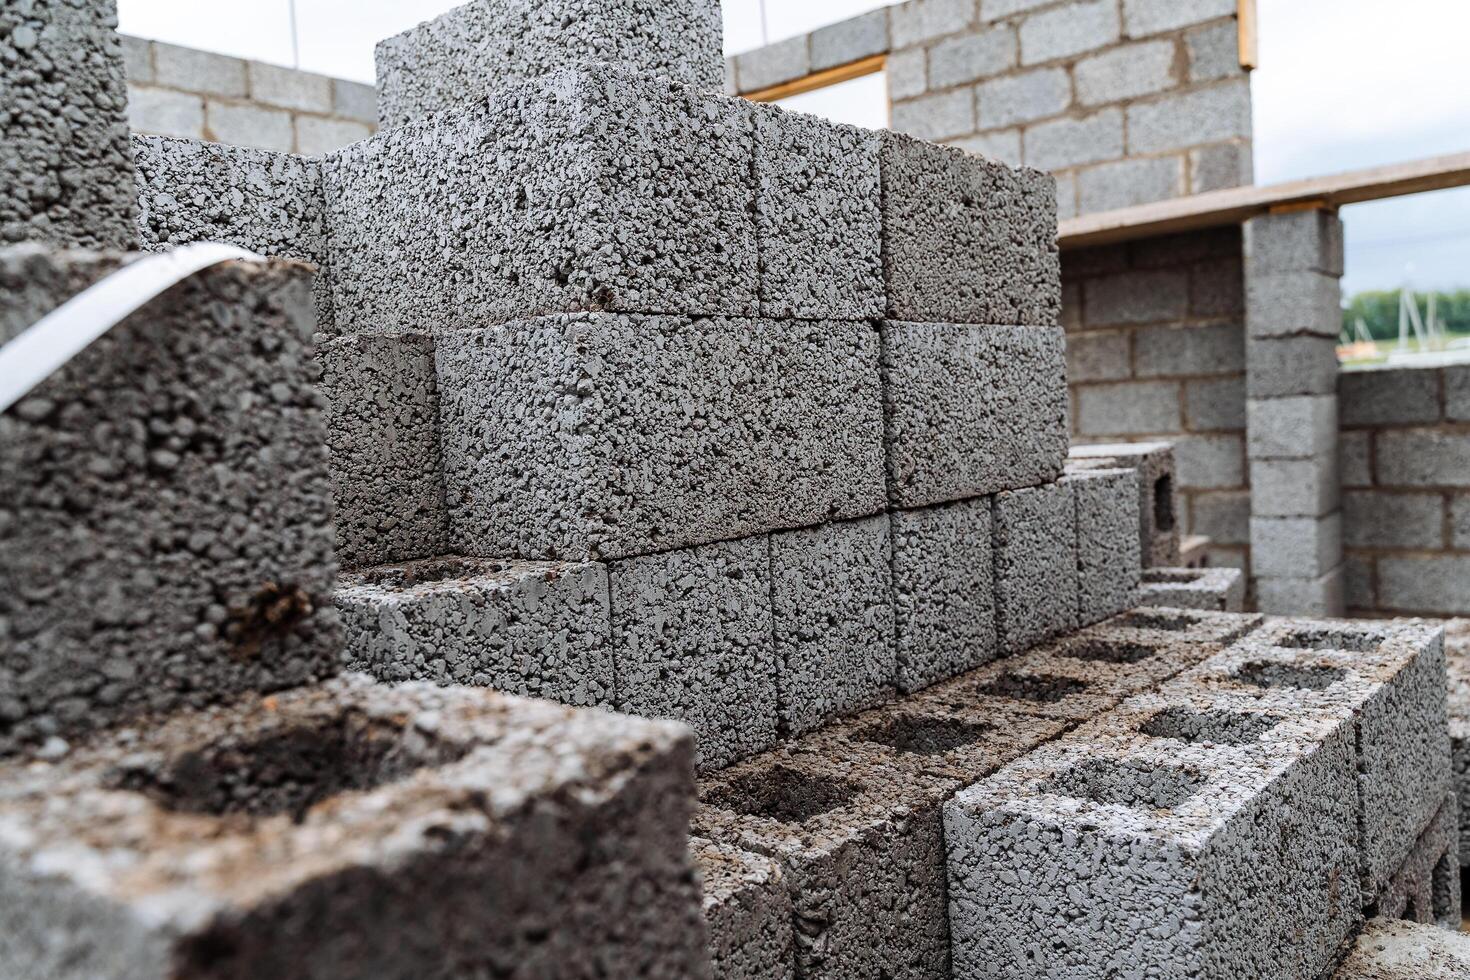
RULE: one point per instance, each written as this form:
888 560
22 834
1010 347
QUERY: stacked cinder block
1457 666
1293 263
1220 589
747 913
1158 492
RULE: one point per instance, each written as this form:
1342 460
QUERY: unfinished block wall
1156 352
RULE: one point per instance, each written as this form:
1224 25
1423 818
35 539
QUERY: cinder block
355 101
1215 589
832 598
1128 183
1023 97
1124 72
1457 394
316 136
457 57
923 20
1003 146
1299 241
1298 488
1185 626
1035 559
1207 115
1283 366
164 112
1457 663
692 642
1324 595
1217 288
783 61
1066 196
747 913
1142 17
1108 548
1210 461
819 220
1354 458
861 849
1295 547
503 830
1374 519
1068 31
1460 522
1129 408
137 59
609 436
1098 357
1426 887
1220 167
1158 505
1071 141
289 88
381 402
1136 297
1422 458
1189 248
1214 51
1170 812
198 71
907 73
972 57
1217 348
943 592
1290 304
971 410
1389 950
966 240
1291 428
544 213
936 116
850 40
65 169
1216 404
174 477
249 125
1425 584
538 629
1388 397
1060 688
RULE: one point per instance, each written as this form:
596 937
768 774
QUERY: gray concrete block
1372 398
1159 516
339 801
1425 584
923 20
198 71
1298 241
317 137
1410 521
972 57
943 592
1175 122
1291 428
543 213
1128 183
783 61
1066 196
1295 547
850 40
1457 394
1169 811
289 88
65 168
174 476
819 220
832 597
1170 351
1098 357
1035 560
1108 552
1217 288
1214 589
1045 684
1325 595
1283 366
1071 141
1002 145
1124 72
1129 408
163 112
692 641
1288 304
460 55
1355 459
1457 664
1422 458
1215 404
935 116
1070 30
1185 248
1220 167
1426 887
538 629
996 9
1023 98
747 912
1389 950
1136 297
137 59
1142 17
1460 522
249 125
1358 589
381 400
908 74
1223 516
1210 462
355 101
1214 51
609 436
1298 488
971 410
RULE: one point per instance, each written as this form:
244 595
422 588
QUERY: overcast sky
1343 84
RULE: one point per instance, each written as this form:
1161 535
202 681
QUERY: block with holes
1158 520
1108 556
1035 556
747 912
1215 589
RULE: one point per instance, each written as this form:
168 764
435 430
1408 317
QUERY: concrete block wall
184 92
1156 352
1405 462
1126 101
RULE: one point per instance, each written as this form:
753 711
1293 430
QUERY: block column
1293 264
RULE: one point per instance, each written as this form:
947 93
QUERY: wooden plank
822 79
1248 25
1239 204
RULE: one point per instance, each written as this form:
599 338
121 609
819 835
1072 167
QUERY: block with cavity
1170 812
967 239
1214 589
692 638
1182 625
66 176
1108 557
1395 950
972 410
943 592
166 528
747 912
1158 505
1122 663
609 436
1426 887
538 629
860 846
832 597
1035 556
1063 688
589 189
455 58
381 397
1389 680
818 217
355 829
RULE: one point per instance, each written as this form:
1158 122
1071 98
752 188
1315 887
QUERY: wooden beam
1239 204
822 79
1249 27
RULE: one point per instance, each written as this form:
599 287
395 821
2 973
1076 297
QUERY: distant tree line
1379 309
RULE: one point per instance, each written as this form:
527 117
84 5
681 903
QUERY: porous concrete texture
448 826
1035 560
693 641
1237 851
1426 887
747 913
832 597
860 845
609 435
1158 499
818 218
967 240
971 410
1394 950
1108 557
381 398
1457 669
165 504
650 209
539 629
456 57
1217 589
943 592
65 167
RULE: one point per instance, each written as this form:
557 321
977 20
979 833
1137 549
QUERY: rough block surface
1390 950
1216 589
1035 558
747 912
1426 887
1108 558
1158 506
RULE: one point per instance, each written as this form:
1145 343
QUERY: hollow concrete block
1215 589
1158 505
1108 558
747 912
1035 556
